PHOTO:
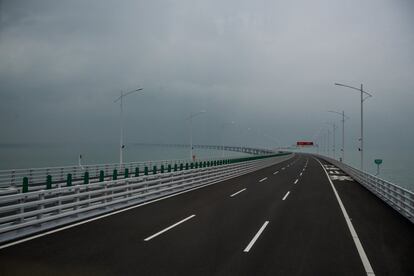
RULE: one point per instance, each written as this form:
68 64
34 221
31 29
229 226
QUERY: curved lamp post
364 95
192 115
334 127
343 131
121 140
222 135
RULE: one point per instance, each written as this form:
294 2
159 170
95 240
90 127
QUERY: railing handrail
14 178
134 162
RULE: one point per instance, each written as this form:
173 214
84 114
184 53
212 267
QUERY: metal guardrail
27 213
11 181
397 197
13 178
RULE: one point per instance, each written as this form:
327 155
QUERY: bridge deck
248 225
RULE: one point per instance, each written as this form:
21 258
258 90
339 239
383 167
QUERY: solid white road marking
251 243
276 172
301 174
296 181
341 178
236 193
358 244
286 195
283 168
168 228
263 179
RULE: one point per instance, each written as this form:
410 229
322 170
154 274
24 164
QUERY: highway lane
93 244
208 231
387 236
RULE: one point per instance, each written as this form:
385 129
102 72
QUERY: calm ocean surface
14 156
396 166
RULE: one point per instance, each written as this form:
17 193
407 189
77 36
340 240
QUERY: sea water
16 156
396 166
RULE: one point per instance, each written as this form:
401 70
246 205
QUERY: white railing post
40 205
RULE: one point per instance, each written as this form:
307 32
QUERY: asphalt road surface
282 220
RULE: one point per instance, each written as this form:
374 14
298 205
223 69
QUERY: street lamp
121 140
361 149
317 138
272 139
192 115
334 127
222 135
328 145
343 131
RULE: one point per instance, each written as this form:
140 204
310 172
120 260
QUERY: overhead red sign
304 143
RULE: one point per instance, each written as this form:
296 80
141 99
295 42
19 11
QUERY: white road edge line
286 195
358 244
296 181
276 172
168 228
236 193
301 174
250 245
263 179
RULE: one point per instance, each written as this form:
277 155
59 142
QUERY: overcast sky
267 65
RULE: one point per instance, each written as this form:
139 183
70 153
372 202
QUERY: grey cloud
268 65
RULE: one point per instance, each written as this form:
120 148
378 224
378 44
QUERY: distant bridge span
249 150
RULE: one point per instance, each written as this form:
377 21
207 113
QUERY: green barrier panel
154 170
115 174
49 182
192 165
126 174
136 172
181 166
146 170
86 178
175 167
69 179
186 166
25 185
101 176
205 164
162 168
169 167
196 165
